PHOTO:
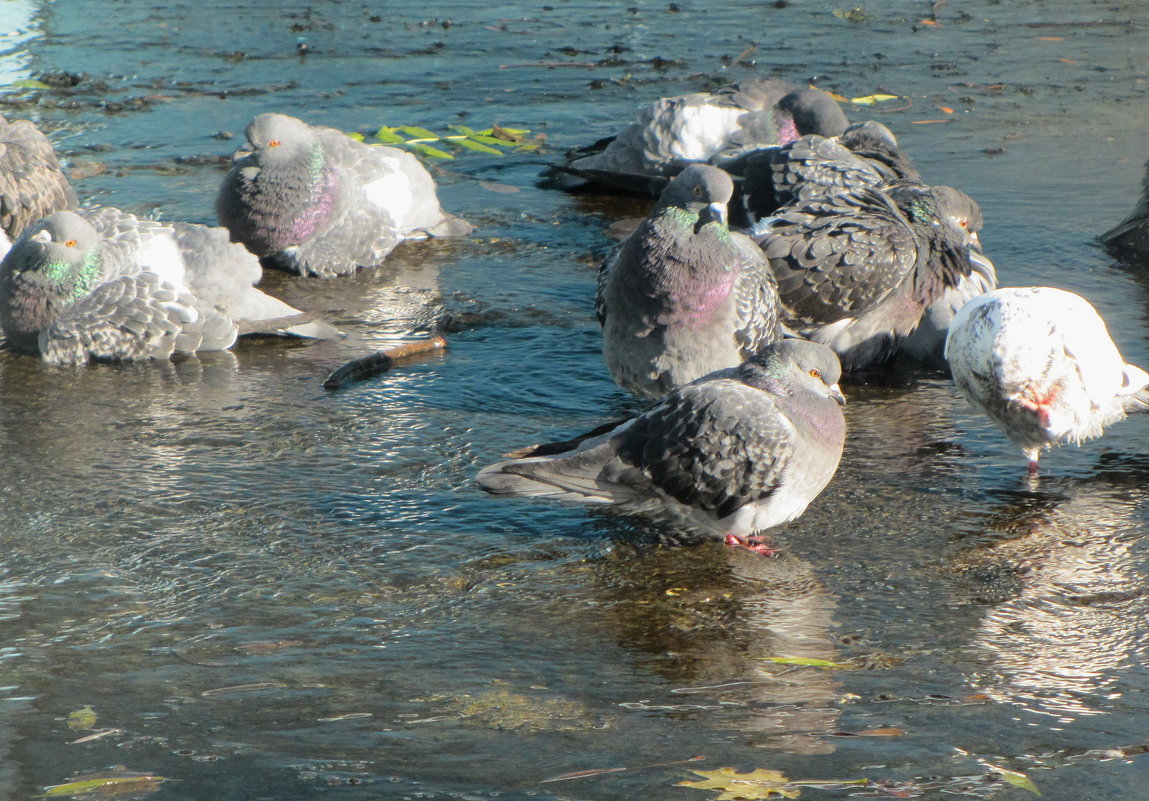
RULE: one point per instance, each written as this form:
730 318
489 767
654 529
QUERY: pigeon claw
752 543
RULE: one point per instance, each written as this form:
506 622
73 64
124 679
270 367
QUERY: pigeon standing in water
32 183
109 285
736 452
705 127
683 295
857 269
1040 363
314 201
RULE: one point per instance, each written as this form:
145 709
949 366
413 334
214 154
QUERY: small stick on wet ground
380 362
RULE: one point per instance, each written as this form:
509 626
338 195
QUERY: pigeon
32 183
314 201
704 127
733 453
865 154
857 269
1039 362
1130 237
108 285
683 295
926 343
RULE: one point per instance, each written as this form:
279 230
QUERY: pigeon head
814 112
792 365
53 264
960 210
60 254
702 191
874 141
278 139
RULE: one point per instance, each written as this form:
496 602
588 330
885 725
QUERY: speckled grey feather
32 183
109 285
866 154
857 269
683 295
738 451
314 201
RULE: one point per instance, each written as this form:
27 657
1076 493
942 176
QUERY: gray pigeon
1040 363
705 127
109 285
865 154
737 451
32 184
857 269
314 201
683 295
926 343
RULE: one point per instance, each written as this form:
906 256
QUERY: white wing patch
161 255
698 132
392 192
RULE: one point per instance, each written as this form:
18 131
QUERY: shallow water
267 590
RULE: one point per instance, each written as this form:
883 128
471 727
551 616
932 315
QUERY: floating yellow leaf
83 719
870 100
804 661
735 786
1017 779
105 786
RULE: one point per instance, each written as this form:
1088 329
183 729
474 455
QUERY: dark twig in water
380 362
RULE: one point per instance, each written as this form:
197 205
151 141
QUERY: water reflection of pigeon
857 269
314 201
683 295
710 127
109 285
32 184
1040 363
738 451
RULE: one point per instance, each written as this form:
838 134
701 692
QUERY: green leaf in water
388 136
479 146
804 661
105 786
29 84
1017 779
432 152
415 132
83 719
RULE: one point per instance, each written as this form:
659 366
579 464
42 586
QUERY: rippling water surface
265 590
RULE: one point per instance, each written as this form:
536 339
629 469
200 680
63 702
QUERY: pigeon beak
41 236
712 212
836 394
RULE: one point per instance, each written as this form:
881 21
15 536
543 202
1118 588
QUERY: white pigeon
1040 363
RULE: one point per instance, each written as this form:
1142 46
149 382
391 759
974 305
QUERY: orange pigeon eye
816 372
273 143
71 243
